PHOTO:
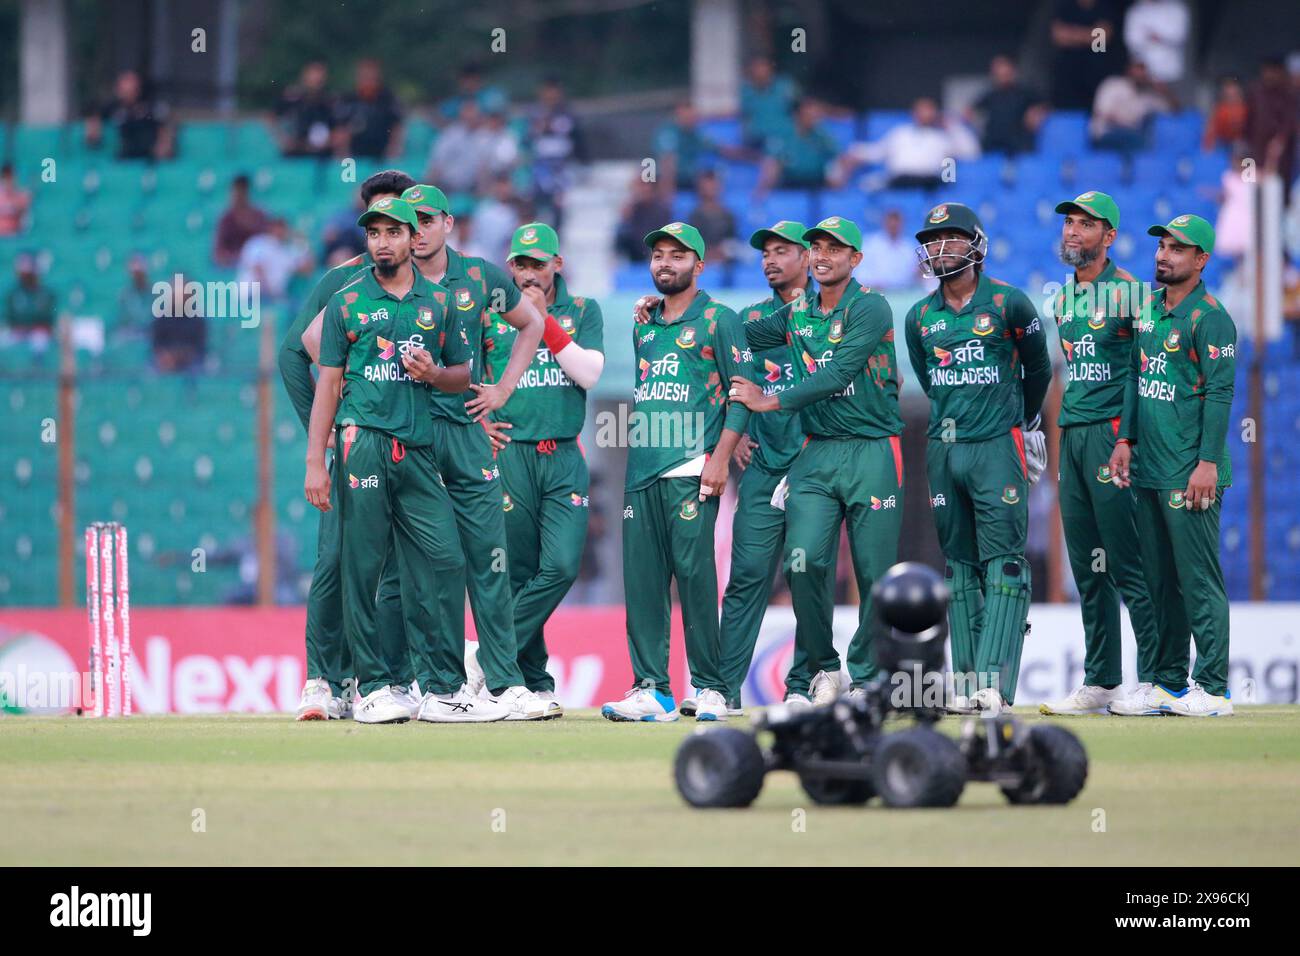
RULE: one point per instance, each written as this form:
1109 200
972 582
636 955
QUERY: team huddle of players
452 393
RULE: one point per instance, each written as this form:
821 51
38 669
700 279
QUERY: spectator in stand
1078 63
370 119
1011 113
499 147
307 113
455 155
272 259
556 143
1271 122
495 219
1155 32
914 153
143 131
180 341
801 158
135 302
716 223
767 103
30 311
1227 123
240 222
681 149
341 236
470 88
645 211
889 260
14 203
1234 224
1122 113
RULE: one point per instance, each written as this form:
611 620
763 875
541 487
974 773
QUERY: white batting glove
1035 449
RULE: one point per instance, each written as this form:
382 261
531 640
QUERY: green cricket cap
1095 204
429 200
951 215
845 230
398 209
786 229
1189 230
682 232
536 240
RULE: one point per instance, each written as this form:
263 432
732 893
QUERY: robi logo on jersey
878 504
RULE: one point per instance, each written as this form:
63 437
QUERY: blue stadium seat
879 122
723 130
1064 133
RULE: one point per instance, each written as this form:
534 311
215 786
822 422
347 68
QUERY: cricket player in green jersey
544 479
851 470
479 290
682 433
1177 415
328 691
1094 314
383 334
978 349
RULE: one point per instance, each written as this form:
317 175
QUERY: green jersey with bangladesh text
477 289
683 371
985 367
545 403
1185 360
778 435
367 331
846 371
1095 323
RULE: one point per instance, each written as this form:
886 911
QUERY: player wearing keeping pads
544 480
464 457
382 334
682 432
851 470
1094 314
1176 417
329 661
978 350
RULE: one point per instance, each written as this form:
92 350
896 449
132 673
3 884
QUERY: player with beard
1095 313
382 338
978 350
682 433
544 477
850 472
1177 413
328 691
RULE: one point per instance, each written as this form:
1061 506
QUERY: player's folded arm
868 320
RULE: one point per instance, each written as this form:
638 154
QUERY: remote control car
842 752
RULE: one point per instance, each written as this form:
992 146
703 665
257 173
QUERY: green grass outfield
582 790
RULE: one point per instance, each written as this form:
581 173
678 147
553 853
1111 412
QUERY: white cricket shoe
474 676
1145 700
553 706
641 704
735 708
961 704
523 704
410 697
1198 702
688 706
384 706
316 700
711 705
461 707
988 702
798 702
825 687
1087 699
857 693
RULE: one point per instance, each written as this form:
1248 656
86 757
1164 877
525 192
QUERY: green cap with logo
845 230
786 229
429 200
398 209
1095 204
535 240
951 215
682 232
1187 229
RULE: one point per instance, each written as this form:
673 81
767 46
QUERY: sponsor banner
220 660
233 660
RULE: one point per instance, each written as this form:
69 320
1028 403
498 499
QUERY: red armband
556 338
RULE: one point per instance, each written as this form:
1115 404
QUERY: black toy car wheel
918 768
1056 767
719 768
837 793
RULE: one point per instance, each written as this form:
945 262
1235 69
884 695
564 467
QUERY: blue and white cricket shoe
1146 700
710 705
641 704
1198 702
